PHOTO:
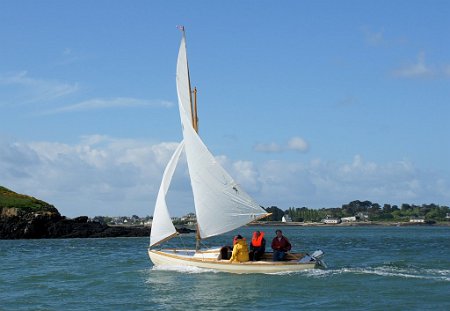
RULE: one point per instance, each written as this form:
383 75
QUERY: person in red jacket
280 245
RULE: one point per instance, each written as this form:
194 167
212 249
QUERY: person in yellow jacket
240 250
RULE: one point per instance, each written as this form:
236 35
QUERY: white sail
220 204
183 81
162 226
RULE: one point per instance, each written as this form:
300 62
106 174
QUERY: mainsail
220 203
162 226
183 80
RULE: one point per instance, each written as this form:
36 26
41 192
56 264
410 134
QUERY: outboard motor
315 256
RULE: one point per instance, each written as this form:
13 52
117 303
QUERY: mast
194 120
193 103
195 125
194 112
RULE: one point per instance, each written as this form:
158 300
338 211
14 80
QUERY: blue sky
306 103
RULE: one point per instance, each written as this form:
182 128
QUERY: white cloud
20 88
247 174
101 175
297 144
98 175
418 69
294 144
26 89
267 147
378 38
328 184
101 103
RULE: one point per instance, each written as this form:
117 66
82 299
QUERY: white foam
307 272
183 269
388 271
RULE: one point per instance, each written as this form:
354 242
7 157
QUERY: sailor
280 246
240 250
257 246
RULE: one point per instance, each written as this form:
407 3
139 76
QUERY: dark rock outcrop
36 226
53 225
44 226
25 217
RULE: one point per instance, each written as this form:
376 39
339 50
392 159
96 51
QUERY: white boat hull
208 260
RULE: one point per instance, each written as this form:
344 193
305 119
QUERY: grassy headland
11 199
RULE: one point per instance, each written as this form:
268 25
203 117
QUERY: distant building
417 219
348 219
148 223
286 218
331 220
362 216
189 217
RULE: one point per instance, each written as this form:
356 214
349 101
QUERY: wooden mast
194 119
195 126
194 111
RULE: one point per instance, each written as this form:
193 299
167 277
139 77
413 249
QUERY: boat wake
386 271
304 272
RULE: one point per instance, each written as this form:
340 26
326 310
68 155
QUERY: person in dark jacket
257 246
280 246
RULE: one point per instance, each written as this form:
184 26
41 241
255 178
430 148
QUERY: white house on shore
286 218
363 216
331 220
348 219
417 220
148 223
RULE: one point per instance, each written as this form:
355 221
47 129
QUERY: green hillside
11 199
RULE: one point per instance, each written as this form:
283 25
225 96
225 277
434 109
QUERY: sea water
369 268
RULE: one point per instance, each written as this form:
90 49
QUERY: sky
305 103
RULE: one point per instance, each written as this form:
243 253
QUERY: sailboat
221 204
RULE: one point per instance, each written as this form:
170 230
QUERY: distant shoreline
188 229
349 224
